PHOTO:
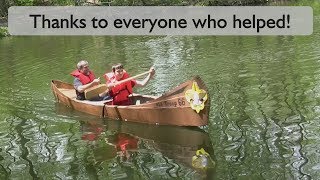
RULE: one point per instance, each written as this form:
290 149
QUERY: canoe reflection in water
150 151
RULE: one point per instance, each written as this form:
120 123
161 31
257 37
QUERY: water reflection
121 149
132 149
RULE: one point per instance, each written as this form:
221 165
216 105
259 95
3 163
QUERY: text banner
160 20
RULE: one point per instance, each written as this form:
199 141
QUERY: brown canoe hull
61 97
160 116
169 109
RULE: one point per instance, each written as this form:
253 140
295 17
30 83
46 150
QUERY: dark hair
117 66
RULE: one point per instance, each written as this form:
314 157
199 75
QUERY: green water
264 118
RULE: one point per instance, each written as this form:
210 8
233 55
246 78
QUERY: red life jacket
84 79
120 92
126 142
92 136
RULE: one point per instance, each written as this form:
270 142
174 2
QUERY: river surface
264 118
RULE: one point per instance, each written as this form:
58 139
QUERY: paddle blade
95 91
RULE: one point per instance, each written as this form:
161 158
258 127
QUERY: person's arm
82 88
147 79
105 93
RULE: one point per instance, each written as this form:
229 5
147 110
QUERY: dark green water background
264 118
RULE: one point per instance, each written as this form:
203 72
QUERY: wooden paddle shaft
131 78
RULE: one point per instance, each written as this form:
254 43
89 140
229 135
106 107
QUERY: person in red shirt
120 93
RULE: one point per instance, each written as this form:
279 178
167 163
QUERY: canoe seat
71 93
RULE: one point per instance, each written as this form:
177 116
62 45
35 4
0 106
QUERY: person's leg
96 98
107 98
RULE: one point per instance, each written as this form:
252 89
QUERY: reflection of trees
263 101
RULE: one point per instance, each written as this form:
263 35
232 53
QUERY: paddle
96 90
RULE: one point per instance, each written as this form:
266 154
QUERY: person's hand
152 71
110 85
96 81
